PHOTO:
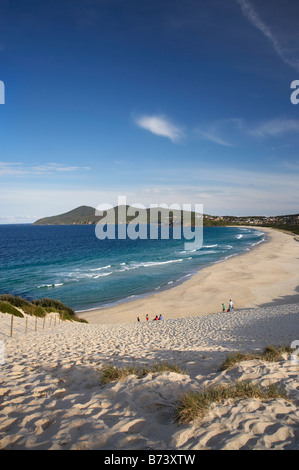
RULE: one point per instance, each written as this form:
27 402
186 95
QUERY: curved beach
268 273
50 389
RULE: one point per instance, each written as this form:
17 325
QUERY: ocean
69 263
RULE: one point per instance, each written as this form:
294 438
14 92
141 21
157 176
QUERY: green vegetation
6 307
39 308
51 305
195 404
292 228
20 303
111 373
271 353
83 215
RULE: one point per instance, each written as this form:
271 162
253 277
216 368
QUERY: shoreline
266 272
53 398
176 282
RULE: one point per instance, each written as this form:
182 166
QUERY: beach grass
6 307
271 353
196 404
111 373
38 308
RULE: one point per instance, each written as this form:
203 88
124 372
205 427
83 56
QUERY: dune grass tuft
111 373
196 404
271 353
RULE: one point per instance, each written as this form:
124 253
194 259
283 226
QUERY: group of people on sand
230 307
158 317
154 319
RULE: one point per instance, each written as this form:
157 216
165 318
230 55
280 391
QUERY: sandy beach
267 273
51 395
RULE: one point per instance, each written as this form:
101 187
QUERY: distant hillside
85 215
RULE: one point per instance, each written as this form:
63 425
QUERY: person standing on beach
146 317
231 305
223 308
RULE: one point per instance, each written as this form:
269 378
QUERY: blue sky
162 101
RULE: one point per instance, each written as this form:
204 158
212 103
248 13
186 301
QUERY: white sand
51 397
50 391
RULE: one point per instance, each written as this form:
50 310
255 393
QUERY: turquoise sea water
70 264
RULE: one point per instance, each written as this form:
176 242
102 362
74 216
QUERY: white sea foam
149 264
204 252
102 275
104 267
47 286
257 243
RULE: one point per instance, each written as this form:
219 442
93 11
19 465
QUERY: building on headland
252 220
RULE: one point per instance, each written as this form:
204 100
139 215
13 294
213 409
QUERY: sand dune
51 396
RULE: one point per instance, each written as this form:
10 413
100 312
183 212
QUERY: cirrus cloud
252 16
17 168
160 126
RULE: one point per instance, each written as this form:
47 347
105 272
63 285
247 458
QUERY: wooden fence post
11 326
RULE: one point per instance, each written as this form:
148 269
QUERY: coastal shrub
270 353
41 307
196 404
55 304
19 302
6 307
52 305
111 373
39 311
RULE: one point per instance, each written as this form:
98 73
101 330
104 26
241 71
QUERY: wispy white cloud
251 14
232 131
274 127
218 131
161 126
213 138
228 132
16 168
